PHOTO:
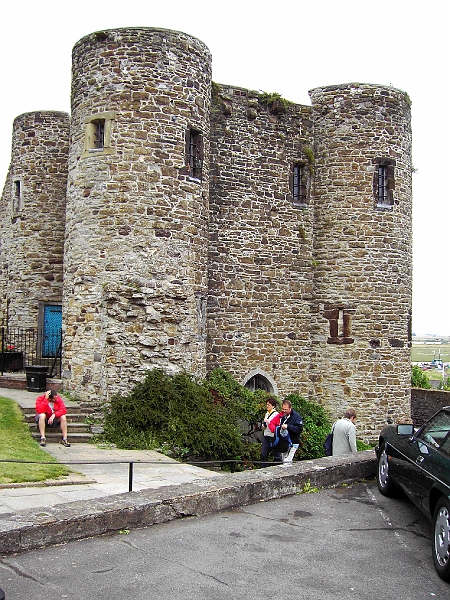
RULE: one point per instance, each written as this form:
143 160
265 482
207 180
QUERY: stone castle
186 224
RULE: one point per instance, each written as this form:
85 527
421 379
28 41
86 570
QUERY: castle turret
362 252
137 211
33 212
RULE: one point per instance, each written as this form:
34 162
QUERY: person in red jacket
51 411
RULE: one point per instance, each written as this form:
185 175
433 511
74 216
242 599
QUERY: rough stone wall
32 237
4 236
260 277
424 403
362 255
136 232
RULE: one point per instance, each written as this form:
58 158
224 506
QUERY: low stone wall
31 529
424 403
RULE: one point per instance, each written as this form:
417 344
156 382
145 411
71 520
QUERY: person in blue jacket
291 420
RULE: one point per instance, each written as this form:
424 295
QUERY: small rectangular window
17 196
97 140
299 187
195 153
383 182
99 134
340 324
95 135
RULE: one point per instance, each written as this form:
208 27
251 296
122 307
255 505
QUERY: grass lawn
16 443
428 352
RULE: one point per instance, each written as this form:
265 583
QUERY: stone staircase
78 430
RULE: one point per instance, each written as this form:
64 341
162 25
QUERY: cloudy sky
280 46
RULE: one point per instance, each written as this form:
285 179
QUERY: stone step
78 430
70 416
53 437
71 426
74 411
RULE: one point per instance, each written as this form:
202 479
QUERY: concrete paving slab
105 472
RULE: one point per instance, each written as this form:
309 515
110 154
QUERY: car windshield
436 430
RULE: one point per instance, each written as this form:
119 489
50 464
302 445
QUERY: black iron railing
214 465
21 347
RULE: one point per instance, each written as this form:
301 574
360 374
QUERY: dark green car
418 462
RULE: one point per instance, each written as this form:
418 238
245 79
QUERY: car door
406 465
436 473
435 461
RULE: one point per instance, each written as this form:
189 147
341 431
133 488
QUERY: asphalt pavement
348 543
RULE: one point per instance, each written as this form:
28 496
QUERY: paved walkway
91 481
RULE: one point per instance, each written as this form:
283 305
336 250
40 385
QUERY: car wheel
441 538
385 484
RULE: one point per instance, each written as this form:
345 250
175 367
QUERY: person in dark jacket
288 419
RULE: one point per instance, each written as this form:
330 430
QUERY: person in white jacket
271 405
344 434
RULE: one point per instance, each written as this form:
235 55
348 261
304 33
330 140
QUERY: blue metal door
51 338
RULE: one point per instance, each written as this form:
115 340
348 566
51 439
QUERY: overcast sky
280 46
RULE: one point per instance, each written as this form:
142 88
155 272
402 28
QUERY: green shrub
360 445
202 419
178 411
419 379
241 403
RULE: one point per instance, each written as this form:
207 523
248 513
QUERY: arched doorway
259 380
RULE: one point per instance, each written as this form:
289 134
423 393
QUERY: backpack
328 444
281 440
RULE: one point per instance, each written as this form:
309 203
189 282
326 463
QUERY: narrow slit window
298 184
17 196
195 154
384 182
299 188
382 185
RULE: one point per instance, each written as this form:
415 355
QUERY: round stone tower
137 209
362 252
36 195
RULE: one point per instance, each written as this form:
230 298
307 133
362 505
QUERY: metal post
130 477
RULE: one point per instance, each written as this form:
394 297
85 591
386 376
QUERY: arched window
258 380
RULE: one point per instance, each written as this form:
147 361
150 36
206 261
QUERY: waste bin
36 378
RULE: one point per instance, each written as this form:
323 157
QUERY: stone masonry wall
136 232
4 235
260 277
424 403
33 209
362 254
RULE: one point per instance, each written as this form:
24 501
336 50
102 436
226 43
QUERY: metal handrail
212 463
